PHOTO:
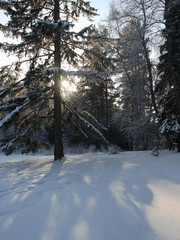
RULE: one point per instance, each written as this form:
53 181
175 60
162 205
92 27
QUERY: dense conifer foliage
168 86
31 99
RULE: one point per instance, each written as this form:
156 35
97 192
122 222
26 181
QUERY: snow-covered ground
127 196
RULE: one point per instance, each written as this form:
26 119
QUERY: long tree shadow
80 198
24 189
103 205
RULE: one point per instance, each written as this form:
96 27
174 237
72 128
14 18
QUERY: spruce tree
97 91
168 86
32 101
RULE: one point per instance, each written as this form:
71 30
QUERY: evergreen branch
92 128
11 115
7 90
94 120
79 113
95 74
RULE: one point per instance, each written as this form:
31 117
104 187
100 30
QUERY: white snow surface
94 196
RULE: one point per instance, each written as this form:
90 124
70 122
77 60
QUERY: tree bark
58 145
101 93
149 67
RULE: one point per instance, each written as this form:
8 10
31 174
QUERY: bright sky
101 5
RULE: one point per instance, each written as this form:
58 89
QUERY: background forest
112 84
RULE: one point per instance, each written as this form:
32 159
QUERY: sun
68 87
65 84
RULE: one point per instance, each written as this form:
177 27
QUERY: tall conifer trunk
58 145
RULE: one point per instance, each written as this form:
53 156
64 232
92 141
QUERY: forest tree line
126 73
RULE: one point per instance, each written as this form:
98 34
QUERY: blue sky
101 5
103 8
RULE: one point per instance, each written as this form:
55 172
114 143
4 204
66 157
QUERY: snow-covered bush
112 149
92 149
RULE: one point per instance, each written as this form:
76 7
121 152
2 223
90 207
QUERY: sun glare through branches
67 87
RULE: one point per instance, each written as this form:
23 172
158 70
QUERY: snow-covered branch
170 125
84 73
8 118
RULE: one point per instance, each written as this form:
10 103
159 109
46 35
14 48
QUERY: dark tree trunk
178 142
58 145
101 100
149 66
106 99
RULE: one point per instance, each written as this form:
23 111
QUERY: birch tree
136 24
146 16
